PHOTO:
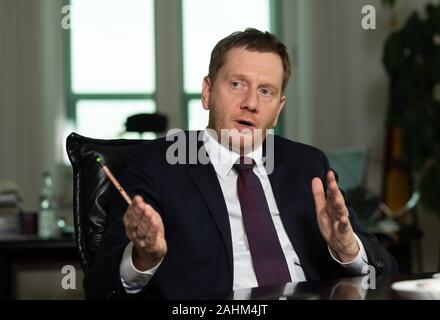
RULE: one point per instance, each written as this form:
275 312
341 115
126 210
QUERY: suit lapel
205 178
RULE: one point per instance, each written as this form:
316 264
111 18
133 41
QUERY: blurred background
364 89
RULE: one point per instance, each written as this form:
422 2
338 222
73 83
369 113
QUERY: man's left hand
333 218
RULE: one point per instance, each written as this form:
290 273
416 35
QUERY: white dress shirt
223 159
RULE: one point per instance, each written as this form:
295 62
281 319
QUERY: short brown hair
253 40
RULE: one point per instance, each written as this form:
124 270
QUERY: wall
338 86
338 95
32 92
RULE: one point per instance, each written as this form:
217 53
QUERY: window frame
275 28
73 98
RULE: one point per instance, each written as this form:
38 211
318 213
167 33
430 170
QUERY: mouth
242 124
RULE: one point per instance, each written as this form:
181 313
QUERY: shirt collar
223 159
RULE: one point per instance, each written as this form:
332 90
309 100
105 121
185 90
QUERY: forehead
266 65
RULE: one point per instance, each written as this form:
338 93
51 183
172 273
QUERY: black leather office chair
91 188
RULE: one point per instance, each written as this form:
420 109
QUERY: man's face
246 94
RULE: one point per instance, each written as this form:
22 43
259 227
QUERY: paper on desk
422 289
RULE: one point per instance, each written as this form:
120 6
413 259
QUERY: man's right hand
144 227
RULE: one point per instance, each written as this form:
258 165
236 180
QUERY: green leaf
394 53
436 68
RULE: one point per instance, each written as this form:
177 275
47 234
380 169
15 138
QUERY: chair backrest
351 166
146 122
92 190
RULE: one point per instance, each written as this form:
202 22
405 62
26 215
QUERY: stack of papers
9 208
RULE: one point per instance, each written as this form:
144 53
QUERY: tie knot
244 164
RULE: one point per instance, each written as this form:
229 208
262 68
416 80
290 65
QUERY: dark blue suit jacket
189 198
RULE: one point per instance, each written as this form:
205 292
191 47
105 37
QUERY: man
196 229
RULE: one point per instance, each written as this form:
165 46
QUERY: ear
280 107
206 92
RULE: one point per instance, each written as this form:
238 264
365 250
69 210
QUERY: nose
250 101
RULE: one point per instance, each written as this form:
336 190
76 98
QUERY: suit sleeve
103 280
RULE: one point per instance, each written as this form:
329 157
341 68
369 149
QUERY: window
204 23
111 48
111 53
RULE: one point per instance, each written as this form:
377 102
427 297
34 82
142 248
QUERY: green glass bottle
47 227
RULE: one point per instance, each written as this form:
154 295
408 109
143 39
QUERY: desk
334 289
17 249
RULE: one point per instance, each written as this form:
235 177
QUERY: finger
334 195
138 205
332 185
337 202
129 221
141 243
149 227
143 211
318 194
333 192
153 230
150 210
144 226
132 220
131 216
344 225
140 231
138 199
148 213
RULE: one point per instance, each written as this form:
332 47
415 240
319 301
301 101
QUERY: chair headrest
146 122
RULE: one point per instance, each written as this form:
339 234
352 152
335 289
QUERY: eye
235 84
266 92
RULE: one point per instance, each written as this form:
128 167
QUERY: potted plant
412 62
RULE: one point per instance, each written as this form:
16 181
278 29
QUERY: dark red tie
267 256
